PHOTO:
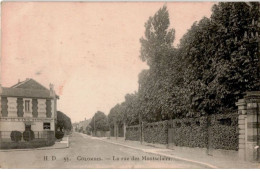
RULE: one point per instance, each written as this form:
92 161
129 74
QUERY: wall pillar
124 131
248 124
242 125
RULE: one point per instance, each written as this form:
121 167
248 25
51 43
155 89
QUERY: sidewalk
64 143
192 155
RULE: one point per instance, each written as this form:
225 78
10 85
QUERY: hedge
59 134
133 133
156 132
218 131
223 131
28 135
16 136
189 132
22 145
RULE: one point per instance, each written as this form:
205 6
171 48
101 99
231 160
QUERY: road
88 152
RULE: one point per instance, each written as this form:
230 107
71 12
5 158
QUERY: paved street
88 152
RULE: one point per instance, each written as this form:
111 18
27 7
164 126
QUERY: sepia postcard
130 85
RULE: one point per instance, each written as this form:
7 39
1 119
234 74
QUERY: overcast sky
89 51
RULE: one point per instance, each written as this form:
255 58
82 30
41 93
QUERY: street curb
162 154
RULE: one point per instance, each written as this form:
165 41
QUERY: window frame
44 125
27 106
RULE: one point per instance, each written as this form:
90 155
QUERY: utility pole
258 108
208 136
140 128
140 121
94 126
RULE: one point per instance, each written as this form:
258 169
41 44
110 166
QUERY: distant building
75 126
82 125
27 106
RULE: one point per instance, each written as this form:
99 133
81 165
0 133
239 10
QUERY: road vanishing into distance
88 152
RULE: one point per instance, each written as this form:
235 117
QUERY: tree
158 38
221 56
156 50
216 61
115 116
99 122
132 109
63 122
126 112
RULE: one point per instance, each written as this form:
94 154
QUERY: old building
27 106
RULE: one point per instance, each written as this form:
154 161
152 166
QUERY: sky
88 50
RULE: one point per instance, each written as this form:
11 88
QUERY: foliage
158 39
116 115
157 51
63 121
225 134
156 132
16 136
189 132
99 122
28 135
127 112
133 133
59 134
221 61
132 109
26 145
216 61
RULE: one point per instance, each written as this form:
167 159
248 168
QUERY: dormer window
27 105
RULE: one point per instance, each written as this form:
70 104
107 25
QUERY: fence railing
5 136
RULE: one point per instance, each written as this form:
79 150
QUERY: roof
28 88
29 84
20 92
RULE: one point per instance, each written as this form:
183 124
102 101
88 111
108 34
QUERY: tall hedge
189 132
219 131
224 131
156 132
133 133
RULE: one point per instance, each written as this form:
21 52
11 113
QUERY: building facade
27 106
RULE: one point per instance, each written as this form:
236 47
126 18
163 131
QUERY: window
27 105
46 126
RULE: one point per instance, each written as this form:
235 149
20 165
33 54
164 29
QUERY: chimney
52 92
